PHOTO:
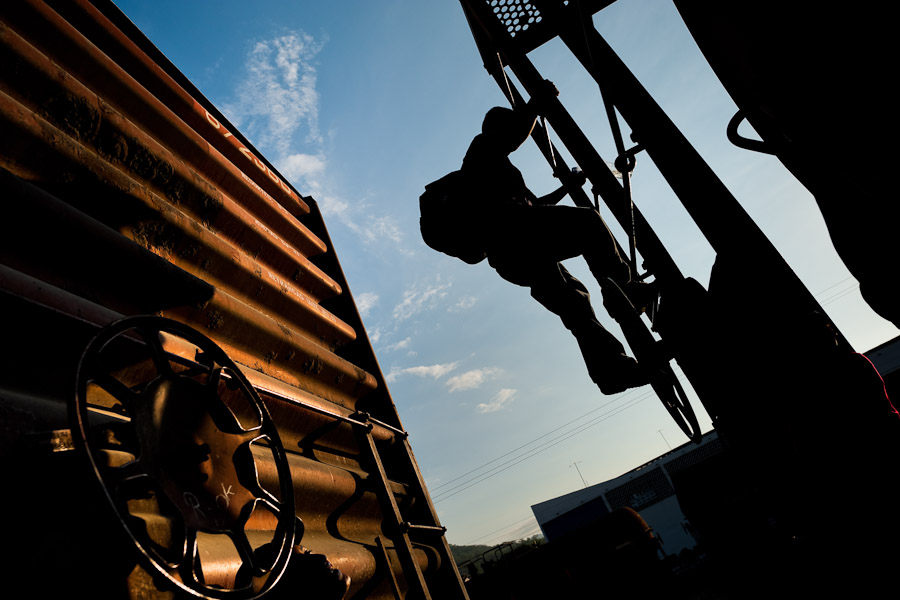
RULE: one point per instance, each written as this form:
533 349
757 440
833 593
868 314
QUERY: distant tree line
462 554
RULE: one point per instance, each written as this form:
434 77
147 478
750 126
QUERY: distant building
648 489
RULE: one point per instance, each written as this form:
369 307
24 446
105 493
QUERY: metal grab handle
742 142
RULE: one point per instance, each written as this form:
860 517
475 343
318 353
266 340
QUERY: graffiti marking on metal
246 152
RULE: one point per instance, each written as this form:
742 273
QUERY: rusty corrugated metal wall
124 193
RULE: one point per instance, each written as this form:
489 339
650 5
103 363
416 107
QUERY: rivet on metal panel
215 320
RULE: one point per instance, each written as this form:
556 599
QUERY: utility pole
659 431
575 464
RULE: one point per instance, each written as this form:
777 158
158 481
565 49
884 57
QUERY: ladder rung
408 527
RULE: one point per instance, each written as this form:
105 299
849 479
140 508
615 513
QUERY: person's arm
575 179
552 198
533 110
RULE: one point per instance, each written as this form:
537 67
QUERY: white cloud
383 227
303 167
399 345
471 379
498 401
464 303
433 371
365 302
277 106
416 300
278 95
332 206
374 228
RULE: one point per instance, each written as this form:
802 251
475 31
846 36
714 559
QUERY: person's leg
557 290
556 233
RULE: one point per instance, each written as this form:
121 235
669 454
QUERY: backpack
446 224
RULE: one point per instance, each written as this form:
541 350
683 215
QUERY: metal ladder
439 581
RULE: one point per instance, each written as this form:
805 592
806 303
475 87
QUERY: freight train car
189 404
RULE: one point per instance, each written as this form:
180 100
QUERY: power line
564 425
504 528
542 447
526 530
439 496
535 451
834 285
834 296
840 294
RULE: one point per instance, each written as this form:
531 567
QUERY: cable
508 464
528 518
837 295
535 451
602 406
482 466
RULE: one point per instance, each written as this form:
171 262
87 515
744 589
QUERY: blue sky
360 104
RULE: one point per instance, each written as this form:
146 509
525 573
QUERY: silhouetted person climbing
526 237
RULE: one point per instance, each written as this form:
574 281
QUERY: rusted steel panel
127 193
258 341
274 349
290 355
58 40
78 111
335 499
170 191
113 42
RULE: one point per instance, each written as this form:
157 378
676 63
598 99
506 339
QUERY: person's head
508 126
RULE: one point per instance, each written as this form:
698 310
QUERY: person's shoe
621 375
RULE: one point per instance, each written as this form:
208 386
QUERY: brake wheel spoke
176 459
157 353
118 390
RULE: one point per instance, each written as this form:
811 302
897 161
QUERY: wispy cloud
420 297
278 94
433 371
304 167
498 402
471 379
464 303
277 106
369 228
365 302
381 227
374 334
399 345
